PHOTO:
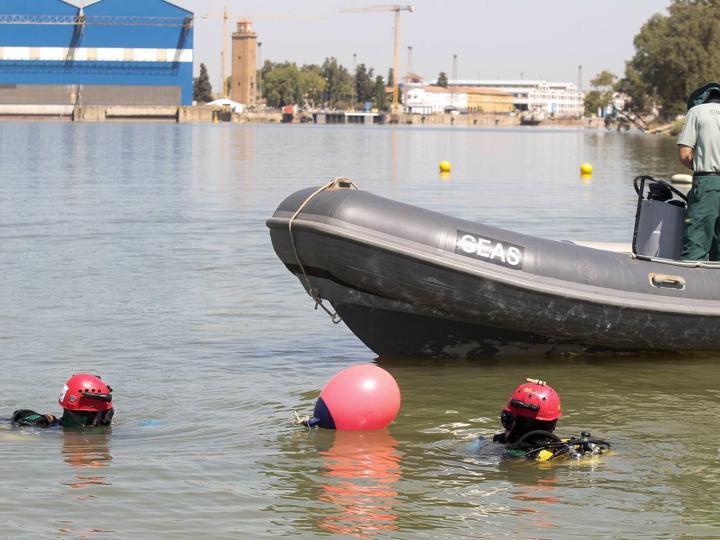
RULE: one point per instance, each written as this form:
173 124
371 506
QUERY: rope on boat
314 292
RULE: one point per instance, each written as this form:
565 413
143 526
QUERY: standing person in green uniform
699 150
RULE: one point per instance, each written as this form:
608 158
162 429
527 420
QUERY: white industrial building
432 99
558 99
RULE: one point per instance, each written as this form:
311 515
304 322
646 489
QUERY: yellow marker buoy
445 166
444 176
586 168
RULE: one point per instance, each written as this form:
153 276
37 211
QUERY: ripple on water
140 252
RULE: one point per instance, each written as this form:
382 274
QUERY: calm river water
140 252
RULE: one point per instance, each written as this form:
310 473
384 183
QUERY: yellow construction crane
223 53
396 52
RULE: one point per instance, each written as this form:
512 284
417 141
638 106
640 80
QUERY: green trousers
701 234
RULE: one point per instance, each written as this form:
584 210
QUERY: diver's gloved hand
28 418
103 418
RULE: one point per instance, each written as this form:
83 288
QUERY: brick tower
244 63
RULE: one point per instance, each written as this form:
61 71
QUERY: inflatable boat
411 282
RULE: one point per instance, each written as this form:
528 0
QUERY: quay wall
206 114
470 119
486 120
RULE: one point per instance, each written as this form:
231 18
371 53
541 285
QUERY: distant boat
532 118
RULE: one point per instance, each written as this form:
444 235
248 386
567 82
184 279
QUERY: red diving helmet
534 399
86 392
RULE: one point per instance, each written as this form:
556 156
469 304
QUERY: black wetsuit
544 445
534 440
28 418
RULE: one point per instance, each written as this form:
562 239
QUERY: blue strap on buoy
321 416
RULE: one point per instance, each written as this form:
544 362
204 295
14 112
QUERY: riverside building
113 52
558 99
429 99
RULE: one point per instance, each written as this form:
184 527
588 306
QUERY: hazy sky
543 39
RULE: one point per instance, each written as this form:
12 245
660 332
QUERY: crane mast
396 64
397 9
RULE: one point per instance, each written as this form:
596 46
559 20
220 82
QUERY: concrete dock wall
36 111
206 114
199 114
100 113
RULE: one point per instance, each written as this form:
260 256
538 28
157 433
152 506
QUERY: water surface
140 252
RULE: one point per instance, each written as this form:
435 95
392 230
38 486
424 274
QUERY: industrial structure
244 64
396 9
557 99
112 52
429 99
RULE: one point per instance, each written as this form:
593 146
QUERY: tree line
674 54
330 85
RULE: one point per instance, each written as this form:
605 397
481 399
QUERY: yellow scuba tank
544 455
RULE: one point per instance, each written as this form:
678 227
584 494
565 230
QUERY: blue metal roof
37 7
35 35
151 8
167 37
110 24
170 35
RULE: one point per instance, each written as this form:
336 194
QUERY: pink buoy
359 397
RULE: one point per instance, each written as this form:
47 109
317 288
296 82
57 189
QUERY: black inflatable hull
410 282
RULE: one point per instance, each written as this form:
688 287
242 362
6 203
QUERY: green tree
267 68
442 79
380 99
338 83
202 89
364 83
312 85
281 85
286 84
675 54
605 81
602 93
593 102
391 77
637 88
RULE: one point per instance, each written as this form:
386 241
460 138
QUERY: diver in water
86 401
529 419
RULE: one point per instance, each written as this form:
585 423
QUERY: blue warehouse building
112 52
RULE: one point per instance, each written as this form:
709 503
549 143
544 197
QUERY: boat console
659 219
